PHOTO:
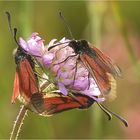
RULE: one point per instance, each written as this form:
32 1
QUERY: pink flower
69 73
34 45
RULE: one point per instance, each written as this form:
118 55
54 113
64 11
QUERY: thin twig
18 123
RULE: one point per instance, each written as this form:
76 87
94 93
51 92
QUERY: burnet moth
27 90
25 83
55 103
99 65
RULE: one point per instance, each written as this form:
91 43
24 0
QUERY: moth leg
65 59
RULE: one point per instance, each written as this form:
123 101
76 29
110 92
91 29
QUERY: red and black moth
53 103
26 82
99 65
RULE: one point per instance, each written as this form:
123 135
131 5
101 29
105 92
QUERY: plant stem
26 17
96 10
18 123
25 14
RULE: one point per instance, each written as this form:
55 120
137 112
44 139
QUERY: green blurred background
112 26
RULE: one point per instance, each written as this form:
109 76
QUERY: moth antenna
67 27
66 24
53 46
12 30
105 109
9 21
15 36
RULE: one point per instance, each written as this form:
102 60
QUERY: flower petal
23 44
62 88
34 45
47 59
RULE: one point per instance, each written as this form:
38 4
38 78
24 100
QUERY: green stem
25 22
26 17
18 123
96 15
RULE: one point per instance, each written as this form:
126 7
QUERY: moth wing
15 88
27 80
102 77
53 103
105 62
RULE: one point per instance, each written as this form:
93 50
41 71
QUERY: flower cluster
69 72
